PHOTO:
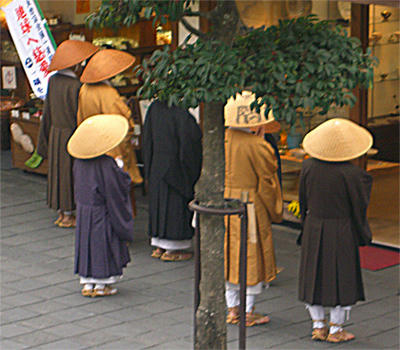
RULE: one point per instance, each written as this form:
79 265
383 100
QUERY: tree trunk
210 316
211 313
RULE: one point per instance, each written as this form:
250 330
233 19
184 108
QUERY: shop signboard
33 40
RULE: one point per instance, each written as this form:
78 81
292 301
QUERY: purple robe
104 217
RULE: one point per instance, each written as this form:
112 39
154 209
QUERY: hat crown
97 135
337 140
71 52
106 64
238 112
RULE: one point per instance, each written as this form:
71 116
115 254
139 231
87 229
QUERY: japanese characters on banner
33 41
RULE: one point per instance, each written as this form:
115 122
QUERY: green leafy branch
300 64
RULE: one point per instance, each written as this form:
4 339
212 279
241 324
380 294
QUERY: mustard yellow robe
101 98
251 166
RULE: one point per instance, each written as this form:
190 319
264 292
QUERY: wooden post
360 29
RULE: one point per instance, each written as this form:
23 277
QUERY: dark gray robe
333 199
104 217
172 154
56 127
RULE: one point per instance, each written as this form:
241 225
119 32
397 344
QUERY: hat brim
106 64
89 142
316 151
71 53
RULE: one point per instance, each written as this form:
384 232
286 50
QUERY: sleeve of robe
359 190
44 130
147 147
119 209
190 152
269 188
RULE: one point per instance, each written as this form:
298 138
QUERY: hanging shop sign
33 40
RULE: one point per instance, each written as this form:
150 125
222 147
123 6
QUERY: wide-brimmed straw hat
105 64
70 53
238 113
337 140
97 135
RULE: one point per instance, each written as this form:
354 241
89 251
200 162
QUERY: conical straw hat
97 135
106 64
70 53
337 140
239 114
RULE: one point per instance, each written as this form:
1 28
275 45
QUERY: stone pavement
41 305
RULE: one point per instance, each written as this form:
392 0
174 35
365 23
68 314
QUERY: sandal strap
323 320
335 324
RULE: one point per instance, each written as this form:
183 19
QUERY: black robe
104 217
172 154
56 127
333 199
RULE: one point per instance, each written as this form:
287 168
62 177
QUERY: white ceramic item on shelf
298 8
344 8
394 38
16 132
27 144
375 37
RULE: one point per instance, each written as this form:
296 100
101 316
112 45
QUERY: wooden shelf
18 155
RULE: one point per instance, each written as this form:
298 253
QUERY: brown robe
251 166
56 127
101 98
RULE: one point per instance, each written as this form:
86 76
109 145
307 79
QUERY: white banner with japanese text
33 41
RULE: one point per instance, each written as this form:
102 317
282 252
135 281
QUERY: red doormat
373 258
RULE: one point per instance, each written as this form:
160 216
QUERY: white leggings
337 316
233 299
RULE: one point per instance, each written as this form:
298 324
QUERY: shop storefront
66 21
377 25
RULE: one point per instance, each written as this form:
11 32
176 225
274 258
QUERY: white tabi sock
338 314
250 300
87 286
232 298
99 286
317 315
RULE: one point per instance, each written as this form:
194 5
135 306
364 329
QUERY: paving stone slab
15 314
42 322
64 344
52 292
11 345
35 339
95 338
129 314
68 330
22 299
121 345
12 330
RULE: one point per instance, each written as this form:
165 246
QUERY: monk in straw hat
104 213
97 96
251 167
59 122
334 196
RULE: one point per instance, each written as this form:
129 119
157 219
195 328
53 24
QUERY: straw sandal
233 315
67 222
340 336
87 292
156 253
255 319
176 256
59 219
319 334
104 292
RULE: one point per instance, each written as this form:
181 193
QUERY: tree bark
210 316
211 313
